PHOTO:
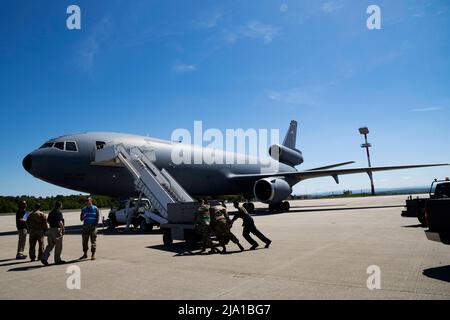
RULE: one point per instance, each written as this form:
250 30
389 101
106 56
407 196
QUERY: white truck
132 212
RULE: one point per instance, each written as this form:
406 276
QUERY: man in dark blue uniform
249 227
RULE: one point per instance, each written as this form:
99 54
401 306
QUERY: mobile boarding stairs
173 207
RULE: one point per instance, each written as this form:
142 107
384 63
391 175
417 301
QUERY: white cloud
299 96
89 49
184 68
209 21
332 6
254 30
284 7
426 109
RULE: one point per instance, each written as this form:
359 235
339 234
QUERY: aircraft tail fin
291 136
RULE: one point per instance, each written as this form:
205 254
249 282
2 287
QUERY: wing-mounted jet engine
273 191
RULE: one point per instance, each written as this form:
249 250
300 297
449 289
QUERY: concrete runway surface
321 250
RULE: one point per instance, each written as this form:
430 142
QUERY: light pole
365 131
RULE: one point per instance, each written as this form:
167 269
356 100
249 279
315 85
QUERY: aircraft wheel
167 237
286 206
274 207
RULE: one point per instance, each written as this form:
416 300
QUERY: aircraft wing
303 175
332 166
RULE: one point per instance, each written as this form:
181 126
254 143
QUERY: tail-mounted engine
283 154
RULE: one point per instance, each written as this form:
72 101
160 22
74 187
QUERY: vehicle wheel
286 206
422 219
191 240
167 237
111 224
143 225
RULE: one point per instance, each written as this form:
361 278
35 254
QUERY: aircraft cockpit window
71 146
47 145
100 144
59 145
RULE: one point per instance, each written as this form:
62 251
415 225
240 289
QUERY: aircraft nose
27 162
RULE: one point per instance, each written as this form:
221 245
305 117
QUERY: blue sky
149 67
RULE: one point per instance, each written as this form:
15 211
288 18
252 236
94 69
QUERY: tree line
10 204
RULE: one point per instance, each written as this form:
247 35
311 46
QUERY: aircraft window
47 145
59 145
100 144
71 146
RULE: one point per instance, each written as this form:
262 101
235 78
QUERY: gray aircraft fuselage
76 169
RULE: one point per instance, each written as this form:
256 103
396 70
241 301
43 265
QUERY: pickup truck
416 207
137 209
437 215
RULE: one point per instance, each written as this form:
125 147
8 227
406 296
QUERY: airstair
173 207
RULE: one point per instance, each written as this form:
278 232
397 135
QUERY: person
249 227
222 225
90 217
203 226
21 225
55 234
37 227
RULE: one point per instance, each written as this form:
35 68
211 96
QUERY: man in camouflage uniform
203 226
90 216
37 227
222 226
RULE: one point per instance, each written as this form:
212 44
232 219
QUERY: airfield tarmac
320 250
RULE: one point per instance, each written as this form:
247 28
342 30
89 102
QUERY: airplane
69 161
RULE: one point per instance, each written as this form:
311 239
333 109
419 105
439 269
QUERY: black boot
84 256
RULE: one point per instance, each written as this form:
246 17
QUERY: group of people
210 220
214 220
38 226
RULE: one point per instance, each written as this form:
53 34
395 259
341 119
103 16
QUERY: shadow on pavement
181 249
16 263
38 266
414 226
8 233
78 229
438 273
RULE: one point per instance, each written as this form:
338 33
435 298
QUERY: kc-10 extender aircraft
69 162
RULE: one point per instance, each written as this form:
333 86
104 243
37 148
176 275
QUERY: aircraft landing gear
280 207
